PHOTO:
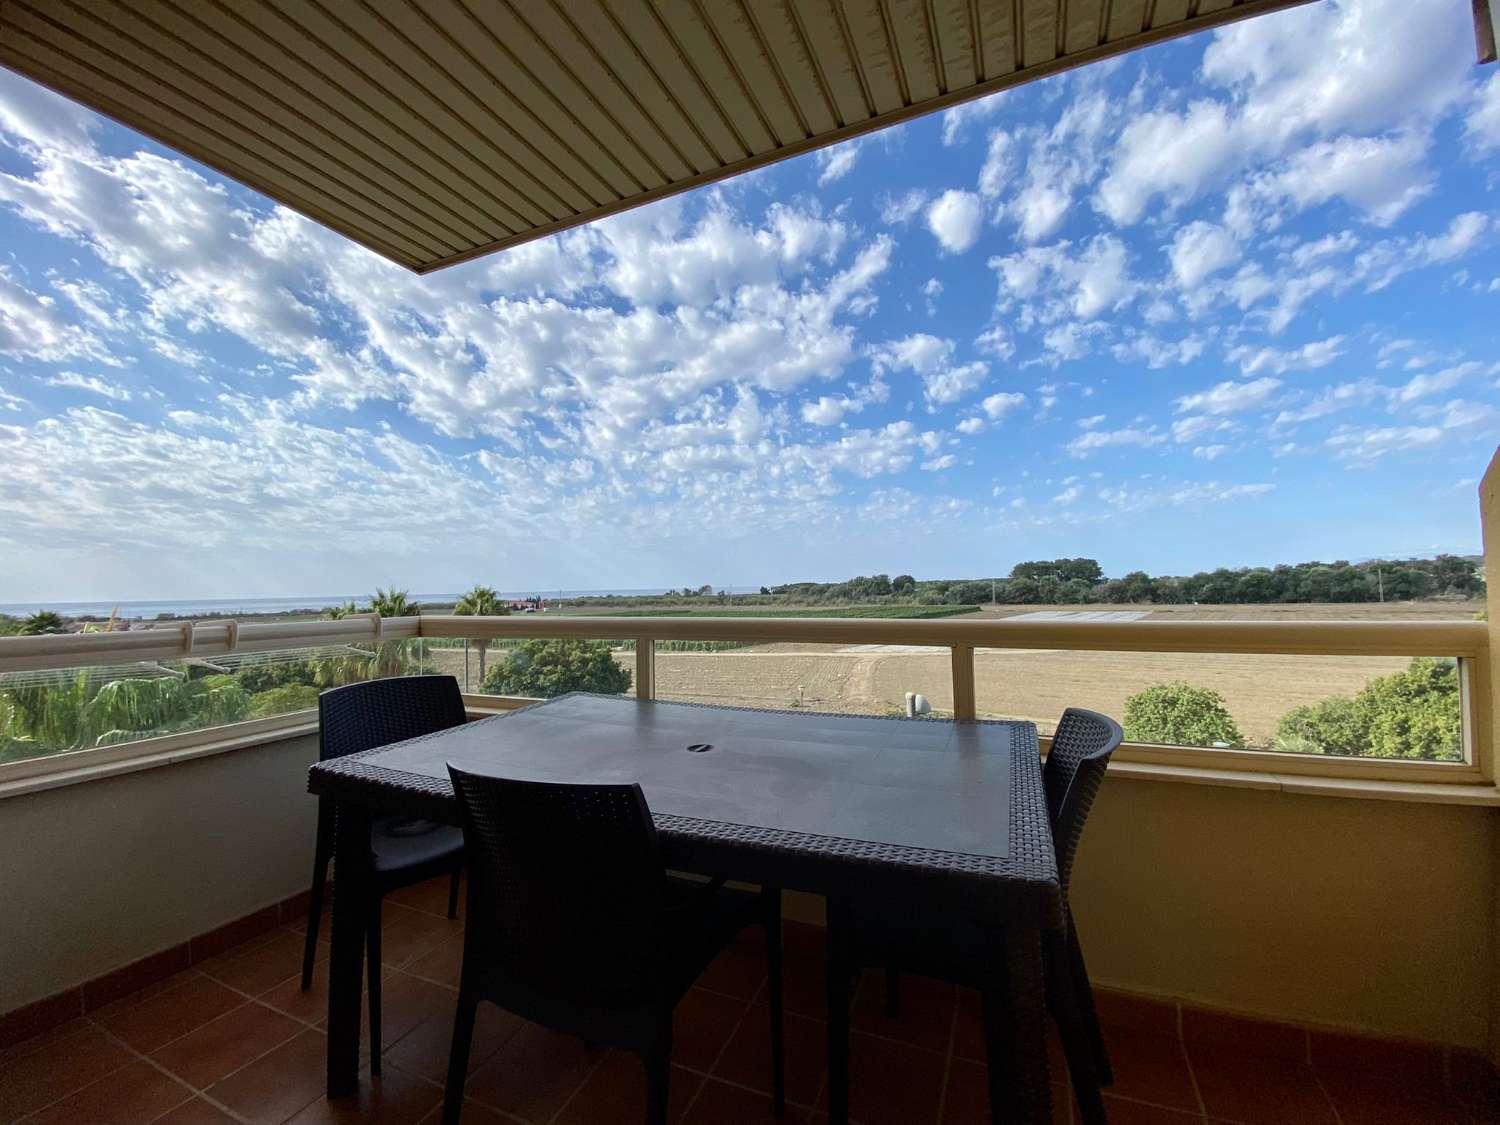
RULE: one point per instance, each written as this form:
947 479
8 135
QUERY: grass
898 612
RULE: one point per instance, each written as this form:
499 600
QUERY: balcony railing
1467 642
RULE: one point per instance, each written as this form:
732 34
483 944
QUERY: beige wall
1367 914
97 875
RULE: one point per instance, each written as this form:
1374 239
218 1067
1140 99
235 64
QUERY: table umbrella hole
700 747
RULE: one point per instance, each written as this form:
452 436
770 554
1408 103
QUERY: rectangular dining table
930 816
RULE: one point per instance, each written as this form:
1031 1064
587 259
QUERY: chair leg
458 1059
658 1061
453 892
314 915
1077 1042
1084 993
373 931
892 991
840 974
771 897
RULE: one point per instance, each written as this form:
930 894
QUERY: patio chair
573 923
404 850
1074 769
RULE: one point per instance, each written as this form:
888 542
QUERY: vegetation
1411 714
544 668
1178 714
901 612
481 601
281 700
40 622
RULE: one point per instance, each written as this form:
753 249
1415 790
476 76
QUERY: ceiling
437 131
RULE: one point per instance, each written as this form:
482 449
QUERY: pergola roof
434 131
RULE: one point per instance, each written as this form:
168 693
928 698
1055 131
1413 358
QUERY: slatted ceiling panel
620 105
1126 17
434 131
825 30
270 130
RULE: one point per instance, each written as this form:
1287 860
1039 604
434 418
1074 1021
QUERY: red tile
442 965
258 968
221 1046
1123 1112
430 897
1339 1051
1258 1090
423 1050
135 1093
1151 1068
407 1002
534 1073
966 1100
737 972
236 933
799 939
164 1015
925 1015
702 1025
747 1059
615 1094
279 1084
968 1028
718 1103
406 935
392 1099
1214 1030
474 1113
310 1006
891 1083
1129 1011
1371 1099
60 1066
135 976
196 1112
41 1016
804 987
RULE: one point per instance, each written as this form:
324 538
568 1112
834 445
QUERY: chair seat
403 844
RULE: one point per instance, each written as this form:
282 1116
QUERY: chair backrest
566 887
378 712
1075 768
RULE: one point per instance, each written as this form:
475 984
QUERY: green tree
1178 714
394 603
481 601
284 699
339 612
41 622
903 585
544 668
1413 713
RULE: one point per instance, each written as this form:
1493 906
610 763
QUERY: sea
311 603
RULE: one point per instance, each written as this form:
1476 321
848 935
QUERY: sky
1232 300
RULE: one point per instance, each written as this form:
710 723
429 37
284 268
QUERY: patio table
937 816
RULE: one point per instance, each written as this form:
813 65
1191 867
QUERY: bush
1178 714
1409 714
544 668
284 699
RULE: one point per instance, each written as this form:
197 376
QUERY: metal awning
435 131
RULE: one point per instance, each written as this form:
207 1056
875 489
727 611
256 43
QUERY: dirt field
1037 685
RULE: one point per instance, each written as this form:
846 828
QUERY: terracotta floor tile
1211 1030
1128 1012
1372 1099
720 1104
137 1092
310 1006
221 1046
615 1094
442 964
891 1083
167 1015
406 934
747 1059
45 1038
392 1099
967 1099
804 988
59 1066
279 1084
1258 1090
423 1050
739 971
406 1002
196 1112
1123 1112
1152 1068
534 1073
925 1016
430 897
1420 1062
968 1031
167 984
255 970
473 1114
703 1024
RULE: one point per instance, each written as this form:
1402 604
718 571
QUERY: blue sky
1232 300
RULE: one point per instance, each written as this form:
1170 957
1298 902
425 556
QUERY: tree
339 612
1178 714
394 603
1061 569
42 621
1413 713
544 668
284 699
903 585
481 601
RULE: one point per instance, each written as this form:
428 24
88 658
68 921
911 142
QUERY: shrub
281 700
1408 714
545 668
1178 714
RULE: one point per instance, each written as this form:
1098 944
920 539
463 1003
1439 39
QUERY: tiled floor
235 1039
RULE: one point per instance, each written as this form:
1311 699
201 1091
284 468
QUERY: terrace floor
236 1040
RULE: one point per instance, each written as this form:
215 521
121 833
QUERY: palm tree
481 601
394 603
338 612
42 621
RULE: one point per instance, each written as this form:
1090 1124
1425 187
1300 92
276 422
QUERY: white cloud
938 464
1310 356
1200 249
955 219
91 383
1196 426
1091 440
899 210
1331 400
1229 397
996 406
1436 382
837 162
1365 445
931 359
999 164
1068 495
971 426
1482 126
957 120
1168 153
1382 176
1209 452
1158 353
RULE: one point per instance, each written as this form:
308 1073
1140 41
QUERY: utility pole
1380 582
992 592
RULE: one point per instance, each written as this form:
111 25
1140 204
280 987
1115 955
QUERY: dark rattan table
939 816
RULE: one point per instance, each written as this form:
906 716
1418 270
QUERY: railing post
964 705
645 668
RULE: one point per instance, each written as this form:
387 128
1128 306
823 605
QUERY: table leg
346 961
840 975
1015 1028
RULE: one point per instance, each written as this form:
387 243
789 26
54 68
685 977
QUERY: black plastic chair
403 850
1073 772
573 923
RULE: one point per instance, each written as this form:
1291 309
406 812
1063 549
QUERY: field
1037 685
